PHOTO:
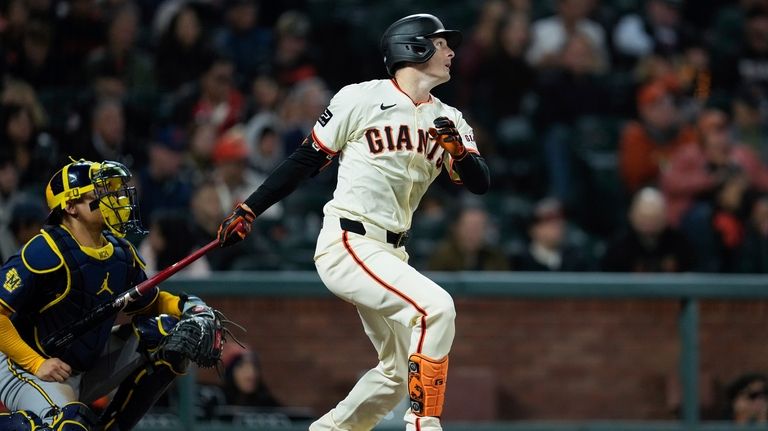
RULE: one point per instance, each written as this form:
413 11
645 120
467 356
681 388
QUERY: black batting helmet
407 40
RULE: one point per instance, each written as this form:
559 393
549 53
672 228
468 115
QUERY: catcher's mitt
199 336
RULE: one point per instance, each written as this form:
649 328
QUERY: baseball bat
56 342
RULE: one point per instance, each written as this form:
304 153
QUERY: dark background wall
516 359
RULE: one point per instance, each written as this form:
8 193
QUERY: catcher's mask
407 40
108 181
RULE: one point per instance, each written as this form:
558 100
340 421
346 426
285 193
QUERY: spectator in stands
79 32
747 398
35 60
262 132
248 44
182 51
471 63
509 78
266 149
215 100
9 184
660 29
17 92
25 221
161 183
232 174
302 107
647 145
206 213
571 88
293 59
573 85
170 239
747 110
649 244
548 249
34 153
549 35
707 187
244 383
748 64
107 138
15 15
265 96
753 252
121 56
467 247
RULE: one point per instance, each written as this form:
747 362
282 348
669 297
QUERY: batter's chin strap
426 384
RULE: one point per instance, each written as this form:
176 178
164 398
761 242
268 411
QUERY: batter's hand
237 226
446 134
53 370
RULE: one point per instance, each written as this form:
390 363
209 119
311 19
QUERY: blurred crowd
622 135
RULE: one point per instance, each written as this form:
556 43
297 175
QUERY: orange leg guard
426 384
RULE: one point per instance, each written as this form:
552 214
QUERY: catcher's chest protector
82 283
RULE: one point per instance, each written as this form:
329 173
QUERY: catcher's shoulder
41 255
132 254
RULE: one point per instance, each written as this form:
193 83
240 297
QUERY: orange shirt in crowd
641 159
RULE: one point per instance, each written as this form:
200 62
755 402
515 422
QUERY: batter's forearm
300 165
17 349
474 173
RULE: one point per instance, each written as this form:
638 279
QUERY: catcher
77 262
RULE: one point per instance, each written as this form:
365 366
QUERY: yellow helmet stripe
60 200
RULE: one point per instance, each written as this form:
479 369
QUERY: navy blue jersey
53 282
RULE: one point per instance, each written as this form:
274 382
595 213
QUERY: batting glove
446 134
237 226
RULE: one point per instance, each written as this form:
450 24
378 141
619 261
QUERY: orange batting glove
237 226
446 134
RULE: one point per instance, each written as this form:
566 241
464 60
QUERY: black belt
396 239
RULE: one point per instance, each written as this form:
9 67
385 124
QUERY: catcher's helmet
407 40
108 181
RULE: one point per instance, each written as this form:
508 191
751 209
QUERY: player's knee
74 416
442 307
395 372
21 420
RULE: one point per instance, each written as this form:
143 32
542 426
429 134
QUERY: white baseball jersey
387 157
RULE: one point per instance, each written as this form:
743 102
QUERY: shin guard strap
426 384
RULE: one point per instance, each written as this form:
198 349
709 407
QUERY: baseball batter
393 138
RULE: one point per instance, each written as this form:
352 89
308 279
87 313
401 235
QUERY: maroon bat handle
163 275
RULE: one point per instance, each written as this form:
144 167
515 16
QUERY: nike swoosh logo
384 108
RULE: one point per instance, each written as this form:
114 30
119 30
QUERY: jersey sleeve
18 284
468 139
338 122
20 274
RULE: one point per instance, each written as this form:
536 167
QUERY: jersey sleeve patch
325 117
12 280
40 255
